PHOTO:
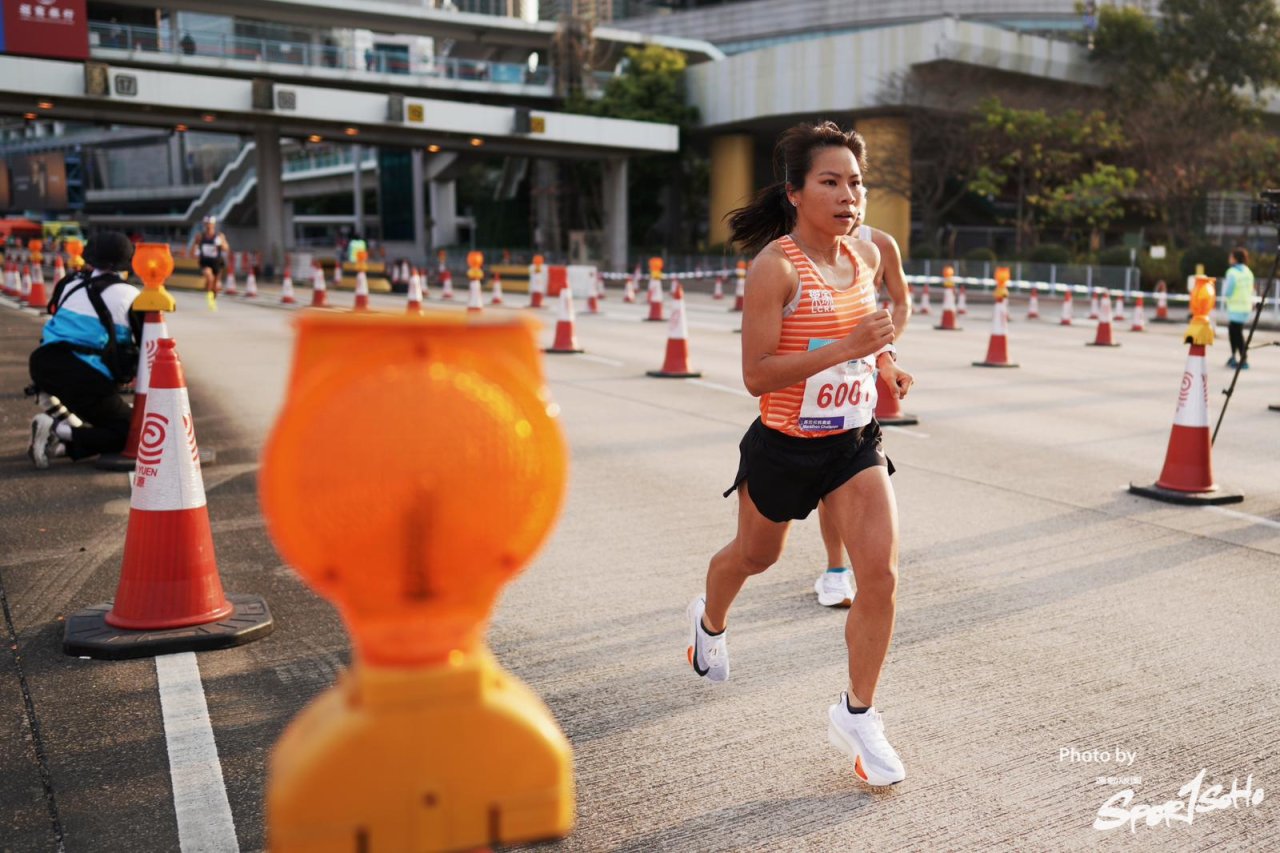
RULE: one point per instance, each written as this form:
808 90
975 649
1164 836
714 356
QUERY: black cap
109 250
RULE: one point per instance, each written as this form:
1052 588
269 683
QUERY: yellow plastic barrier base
407 760
1199 331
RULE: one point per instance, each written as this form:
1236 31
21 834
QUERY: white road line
599 359
1244 516
905 431
199 793
716 386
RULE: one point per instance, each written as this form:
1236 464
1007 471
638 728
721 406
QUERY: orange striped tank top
842 397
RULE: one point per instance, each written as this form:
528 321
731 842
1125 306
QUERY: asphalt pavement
1047 619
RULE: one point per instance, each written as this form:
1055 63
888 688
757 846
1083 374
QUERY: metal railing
138 39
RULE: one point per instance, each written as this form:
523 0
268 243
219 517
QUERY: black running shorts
214 264
789 475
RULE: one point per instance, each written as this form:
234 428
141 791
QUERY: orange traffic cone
676 363
739 287
446 285
1095 309
9 284
718 293
1162 303
59 269
496 285
655 301
1139 316
948 323
319 297
26 283
888 406
1066 309
229 283
475 301
566 337
362 291
1117 315
414 304
37 297
629 289
286 287
153 331
962 303
1187 476
170 598
1033 304
924 300
337 274
600 288
998 346
251 285
1103 338
593 297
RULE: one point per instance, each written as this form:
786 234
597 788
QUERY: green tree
1038 156
1094 200
667 192
1185 86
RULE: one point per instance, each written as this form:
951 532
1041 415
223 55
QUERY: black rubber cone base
1274 408
655 319
1217 496
948 328
995 364
664 375
1095 344
88 635
900 420
563 351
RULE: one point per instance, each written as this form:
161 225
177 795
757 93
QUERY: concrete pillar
270 195
546 208
290 233
444 213
419 208
888 141
732 180
357 190
615 213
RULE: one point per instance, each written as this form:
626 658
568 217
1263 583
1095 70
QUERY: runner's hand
871 333
897 379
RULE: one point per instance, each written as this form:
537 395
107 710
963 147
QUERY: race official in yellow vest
1237 289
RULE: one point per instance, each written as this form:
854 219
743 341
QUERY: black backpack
120 357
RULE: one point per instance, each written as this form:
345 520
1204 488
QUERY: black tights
1235 331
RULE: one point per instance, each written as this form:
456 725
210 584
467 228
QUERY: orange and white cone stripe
362 291
251 285
629 289
1117 314
1139 316
675 365
962 302
414 304
1033 304
1103 338
496 289
154 330
475 300
998 346
924 300
1187 475
948 310
566 340
319 296
337 274
655 300
286 287
169 576
1066 309
446 285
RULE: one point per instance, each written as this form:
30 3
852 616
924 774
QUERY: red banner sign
57 29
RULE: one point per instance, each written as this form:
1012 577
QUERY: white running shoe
834 589
44 441
708 655
861 738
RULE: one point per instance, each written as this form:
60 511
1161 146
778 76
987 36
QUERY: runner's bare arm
771 283
895 280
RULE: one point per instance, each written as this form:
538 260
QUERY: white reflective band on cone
1000 319
167 475
678 329
1193 395
151 335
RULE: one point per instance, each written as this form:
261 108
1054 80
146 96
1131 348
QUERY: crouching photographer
88 349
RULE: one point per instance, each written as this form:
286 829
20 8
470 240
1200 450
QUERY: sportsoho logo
151 439
1194 799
